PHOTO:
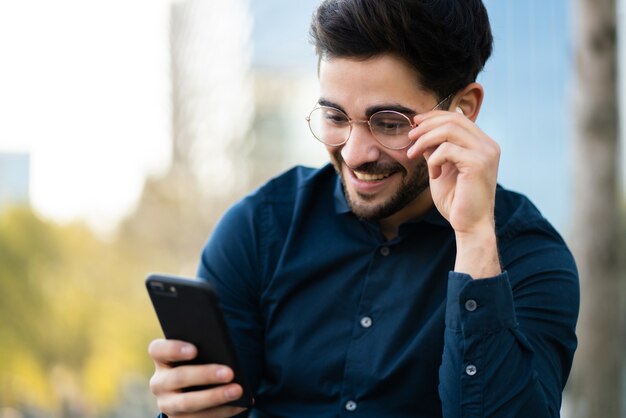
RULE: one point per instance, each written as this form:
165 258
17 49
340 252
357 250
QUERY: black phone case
188 310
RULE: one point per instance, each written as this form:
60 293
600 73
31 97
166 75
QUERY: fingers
463 140
221 412
168 382
165 352
450 153
436 128
177 378
209 402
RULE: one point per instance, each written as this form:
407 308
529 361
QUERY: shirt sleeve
508 349
230 263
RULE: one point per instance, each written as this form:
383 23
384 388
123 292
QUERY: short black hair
446 41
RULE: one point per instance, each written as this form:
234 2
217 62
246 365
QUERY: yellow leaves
25 381
110 360
75 319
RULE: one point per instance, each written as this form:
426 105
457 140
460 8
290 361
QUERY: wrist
477 253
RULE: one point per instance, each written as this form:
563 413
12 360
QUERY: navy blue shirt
331 319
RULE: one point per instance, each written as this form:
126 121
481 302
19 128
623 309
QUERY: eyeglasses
332 126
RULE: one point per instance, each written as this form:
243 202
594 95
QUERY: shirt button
384 251
350 406
366 322
471 305
471 370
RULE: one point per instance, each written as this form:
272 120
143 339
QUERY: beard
410 188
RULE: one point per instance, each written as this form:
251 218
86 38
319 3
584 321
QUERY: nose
361 146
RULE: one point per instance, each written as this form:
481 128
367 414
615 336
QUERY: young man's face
378 182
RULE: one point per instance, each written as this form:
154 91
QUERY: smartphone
188 310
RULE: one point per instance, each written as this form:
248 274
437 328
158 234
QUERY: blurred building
212 105
212 110
280 135
14 179
243 79
285 87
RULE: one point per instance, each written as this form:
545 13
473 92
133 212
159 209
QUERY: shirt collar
341 204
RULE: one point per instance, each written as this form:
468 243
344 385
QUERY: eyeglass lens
332 127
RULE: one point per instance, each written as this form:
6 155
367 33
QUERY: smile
370 177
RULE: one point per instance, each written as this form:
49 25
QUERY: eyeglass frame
351 121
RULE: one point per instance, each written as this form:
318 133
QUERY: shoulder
254 228
287 186
515 213
283 194
276 199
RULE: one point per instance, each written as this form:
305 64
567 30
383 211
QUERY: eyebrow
372 109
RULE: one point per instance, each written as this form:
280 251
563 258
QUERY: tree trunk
596 379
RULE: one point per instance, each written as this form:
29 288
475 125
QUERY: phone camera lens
157 286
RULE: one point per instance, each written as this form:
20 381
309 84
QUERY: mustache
378 168
373 167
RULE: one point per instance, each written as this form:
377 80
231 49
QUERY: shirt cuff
479 306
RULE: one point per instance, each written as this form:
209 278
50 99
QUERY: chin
378 206
366 207
368 211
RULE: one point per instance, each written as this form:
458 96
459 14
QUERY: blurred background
127 127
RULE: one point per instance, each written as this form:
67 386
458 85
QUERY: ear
469 99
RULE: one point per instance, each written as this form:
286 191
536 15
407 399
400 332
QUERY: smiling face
379 183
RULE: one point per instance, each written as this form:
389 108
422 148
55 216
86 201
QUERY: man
399 281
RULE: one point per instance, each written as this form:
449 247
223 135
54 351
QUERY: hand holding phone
197 363
168 383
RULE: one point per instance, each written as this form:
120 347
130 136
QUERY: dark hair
446 41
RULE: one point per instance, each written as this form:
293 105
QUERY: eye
390 123
334 117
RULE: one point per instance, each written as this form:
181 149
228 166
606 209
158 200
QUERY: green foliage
75 319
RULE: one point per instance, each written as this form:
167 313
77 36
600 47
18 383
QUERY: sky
84 88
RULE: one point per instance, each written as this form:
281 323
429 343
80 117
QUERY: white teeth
370 177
